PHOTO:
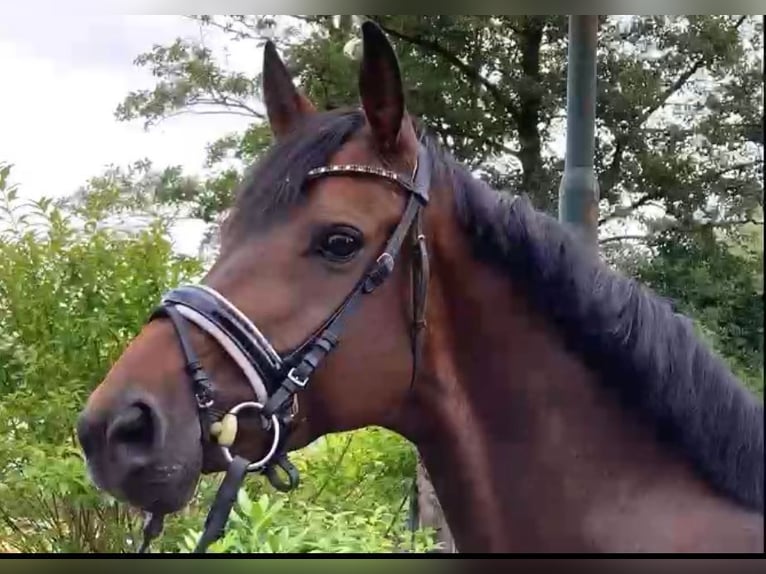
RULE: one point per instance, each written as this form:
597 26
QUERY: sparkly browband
348 169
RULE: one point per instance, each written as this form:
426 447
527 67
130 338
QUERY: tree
716 278
679 119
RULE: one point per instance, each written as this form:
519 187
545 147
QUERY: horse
365 277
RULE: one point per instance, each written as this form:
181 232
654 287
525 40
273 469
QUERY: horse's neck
527 451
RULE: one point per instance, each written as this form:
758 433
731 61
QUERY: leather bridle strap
328 338
201 385
420 274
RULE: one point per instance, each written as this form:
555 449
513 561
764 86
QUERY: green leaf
244 502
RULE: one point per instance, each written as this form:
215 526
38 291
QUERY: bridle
277 379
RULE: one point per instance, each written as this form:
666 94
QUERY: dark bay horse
366 278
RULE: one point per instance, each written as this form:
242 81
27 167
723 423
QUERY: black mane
628 334
624 331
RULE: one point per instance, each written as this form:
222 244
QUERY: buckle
204 397
299 382
384 265
204 403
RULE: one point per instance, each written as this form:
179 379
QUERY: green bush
718 281
72 293
353 498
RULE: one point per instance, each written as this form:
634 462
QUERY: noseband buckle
296 379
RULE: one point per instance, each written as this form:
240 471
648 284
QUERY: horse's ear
286 106
380 87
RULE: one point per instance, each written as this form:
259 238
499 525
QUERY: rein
277 380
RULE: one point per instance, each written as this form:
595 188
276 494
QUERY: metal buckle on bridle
294 378
384 265
204 402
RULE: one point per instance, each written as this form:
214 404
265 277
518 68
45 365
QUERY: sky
63 78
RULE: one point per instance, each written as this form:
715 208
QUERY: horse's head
305 292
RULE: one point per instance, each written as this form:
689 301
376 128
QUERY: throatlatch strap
420 274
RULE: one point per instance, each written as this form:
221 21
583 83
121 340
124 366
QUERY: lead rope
215 523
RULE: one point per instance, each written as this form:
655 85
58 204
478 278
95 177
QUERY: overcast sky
62 79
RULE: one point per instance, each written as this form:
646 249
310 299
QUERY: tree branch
228 101
679 83
734 222
734 167
651 197
613 171
624 211
227 28
469 71
210 113
622 139
497 147
684 228
158 120
616 238
242 32
222 100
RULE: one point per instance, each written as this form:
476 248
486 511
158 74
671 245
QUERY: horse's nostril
132 435
133 425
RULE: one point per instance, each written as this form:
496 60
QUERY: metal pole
578 192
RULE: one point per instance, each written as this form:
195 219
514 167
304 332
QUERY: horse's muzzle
127 456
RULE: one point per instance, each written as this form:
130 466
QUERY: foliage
679 120
72 293
353 499
720 284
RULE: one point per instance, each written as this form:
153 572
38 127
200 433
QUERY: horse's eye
339 245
